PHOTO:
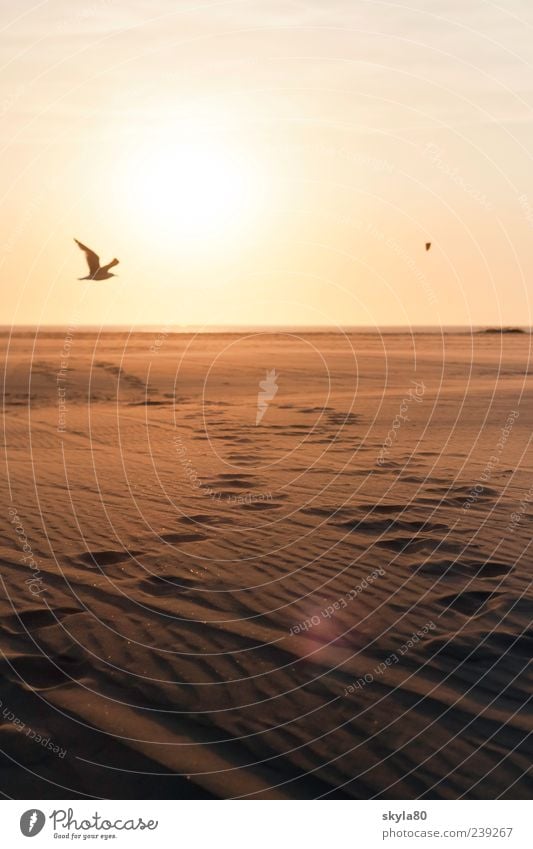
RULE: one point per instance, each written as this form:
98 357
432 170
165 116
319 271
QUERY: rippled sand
335 601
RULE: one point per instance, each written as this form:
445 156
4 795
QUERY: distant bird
96 271
428 245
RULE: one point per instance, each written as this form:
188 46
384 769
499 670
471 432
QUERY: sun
193 192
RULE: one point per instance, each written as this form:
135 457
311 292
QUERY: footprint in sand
106 558
183 537
372 526
469 603
491 570
389 509
205 519
406 545
483 646
255 506
162 586
327 512
40 672
34 618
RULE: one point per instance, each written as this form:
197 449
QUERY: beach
271 564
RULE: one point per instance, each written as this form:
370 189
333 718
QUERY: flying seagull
428 245
96 271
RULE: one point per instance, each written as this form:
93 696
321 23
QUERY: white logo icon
32 822
268 388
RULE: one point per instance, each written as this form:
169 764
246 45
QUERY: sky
260 162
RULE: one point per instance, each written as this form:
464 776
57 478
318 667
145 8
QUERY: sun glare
193 193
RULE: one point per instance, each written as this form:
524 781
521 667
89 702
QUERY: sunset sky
267 162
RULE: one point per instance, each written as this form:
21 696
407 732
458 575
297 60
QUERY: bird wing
93 261
110 264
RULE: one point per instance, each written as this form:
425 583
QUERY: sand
333 602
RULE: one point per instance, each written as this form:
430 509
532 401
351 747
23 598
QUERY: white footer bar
265 825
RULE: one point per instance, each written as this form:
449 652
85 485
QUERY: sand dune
335 602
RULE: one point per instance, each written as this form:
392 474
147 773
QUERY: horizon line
165 328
